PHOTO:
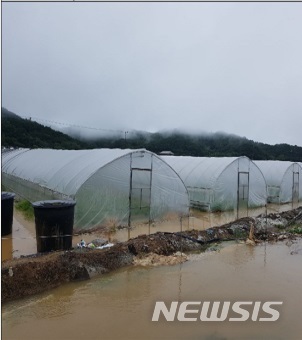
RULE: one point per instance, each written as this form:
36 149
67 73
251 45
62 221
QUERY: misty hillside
18 132
8 114
206 145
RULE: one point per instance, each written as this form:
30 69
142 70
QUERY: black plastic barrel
54 224
7 211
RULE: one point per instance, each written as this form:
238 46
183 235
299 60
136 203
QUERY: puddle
120 305
20 242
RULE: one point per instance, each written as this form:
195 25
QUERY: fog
200 67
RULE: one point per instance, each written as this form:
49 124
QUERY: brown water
120 305
22 241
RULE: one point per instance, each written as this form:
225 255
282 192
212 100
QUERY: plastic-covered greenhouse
111 186
284 181
220 184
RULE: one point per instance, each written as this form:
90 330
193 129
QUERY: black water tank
7 211
54 224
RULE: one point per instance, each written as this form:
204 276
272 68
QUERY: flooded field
120 305
23 242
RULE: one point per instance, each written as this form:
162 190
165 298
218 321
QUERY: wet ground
22 241
120 305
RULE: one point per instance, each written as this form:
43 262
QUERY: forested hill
18 132
206 145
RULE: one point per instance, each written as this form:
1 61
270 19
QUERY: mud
160 260
36 273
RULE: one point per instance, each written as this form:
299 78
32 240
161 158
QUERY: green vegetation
296 230
24 133
18 132
26 208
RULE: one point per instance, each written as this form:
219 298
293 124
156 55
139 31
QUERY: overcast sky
232 67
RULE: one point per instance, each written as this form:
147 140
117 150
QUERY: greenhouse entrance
243 194
140 190
295 187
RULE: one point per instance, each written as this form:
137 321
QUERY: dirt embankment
33 274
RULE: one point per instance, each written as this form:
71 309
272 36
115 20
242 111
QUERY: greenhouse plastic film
220 183
111 186
284 180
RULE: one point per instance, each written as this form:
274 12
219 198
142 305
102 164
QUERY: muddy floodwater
23 242
120 305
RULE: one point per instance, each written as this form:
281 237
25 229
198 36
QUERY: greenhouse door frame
241 191
295 188
132 206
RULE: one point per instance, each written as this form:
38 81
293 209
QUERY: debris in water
82 244
251 238
95 244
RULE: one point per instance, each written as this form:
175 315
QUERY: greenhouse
112 187
284 181
220 184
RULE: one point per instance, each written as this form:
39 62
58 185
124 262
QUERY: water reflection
238 255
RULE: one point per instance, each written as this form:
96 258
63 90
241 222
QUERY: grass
26 208
296 230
